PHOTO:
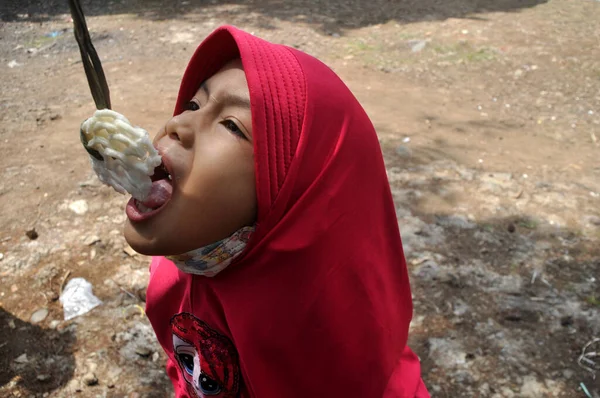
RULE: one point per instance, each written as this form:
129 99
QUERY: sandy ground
489 117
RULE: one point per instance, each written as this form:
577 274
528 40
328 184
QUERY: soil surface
488 113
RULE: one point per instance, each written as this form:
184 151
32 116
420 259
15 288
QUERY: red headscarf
319 304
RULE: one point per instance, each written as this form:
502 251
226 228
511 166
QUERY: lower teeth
143 208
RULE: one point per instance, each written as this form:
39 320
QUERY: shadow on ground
38 360
500 299
502 296
329 15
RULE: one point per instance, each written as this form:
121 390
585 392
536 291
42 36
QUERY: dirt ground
489 117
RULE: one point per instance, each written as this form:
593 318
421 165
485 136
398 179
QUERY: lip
133 212
136 215
166 162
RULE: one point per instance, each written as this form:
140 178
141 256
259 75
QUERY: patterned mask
214 258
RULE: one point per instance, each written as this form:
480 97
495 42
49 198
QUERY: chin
149 244
141 244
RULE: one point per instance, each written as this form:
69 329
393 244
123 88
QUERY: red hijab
319 303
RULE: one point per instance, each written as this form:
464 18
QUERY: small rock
91 367
417 45
53 296
79 207
55 116
132 311
1 256
143 351
568 373
447 354
463 377
39 315
113 375
458 221
90 379
90 240
532 387
43 377
460 307
32 234
120 219
54 324
13 63
141 293
129 251
93 181
74 385
507 392
403 151
155 357
14 288
22 359
594 220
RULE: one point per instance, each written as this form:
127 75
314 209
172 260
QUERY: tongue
159 193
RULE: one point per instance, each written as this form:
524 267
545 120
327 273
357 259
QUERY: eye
192 106
233 128
187 361
208 386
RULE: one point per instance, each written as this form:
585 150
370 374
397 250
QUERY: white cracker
129 156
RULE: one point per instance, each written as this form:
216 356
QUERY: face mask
214 258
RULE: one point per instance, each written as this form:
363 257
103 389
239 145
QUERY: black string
89 57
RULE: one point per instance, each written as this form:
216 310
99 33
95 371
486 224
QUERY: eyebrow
228 98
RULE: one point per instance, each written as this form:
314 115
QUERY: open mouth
160 194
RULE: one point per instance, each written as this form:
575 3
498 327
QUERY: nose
180 128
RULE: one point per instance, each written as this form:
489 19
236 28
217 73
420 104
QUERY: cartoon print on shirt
208 360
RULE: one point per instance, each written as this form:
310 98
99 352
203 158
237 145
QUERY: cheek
244 165
160 134
228 192
242 186
227 171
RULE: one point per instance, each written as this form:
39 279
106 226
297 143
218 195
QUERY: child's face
208 151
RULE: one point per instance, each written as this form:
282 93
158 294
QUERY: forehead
230 77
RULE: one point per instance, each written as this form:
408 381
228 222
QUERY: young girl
283 274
